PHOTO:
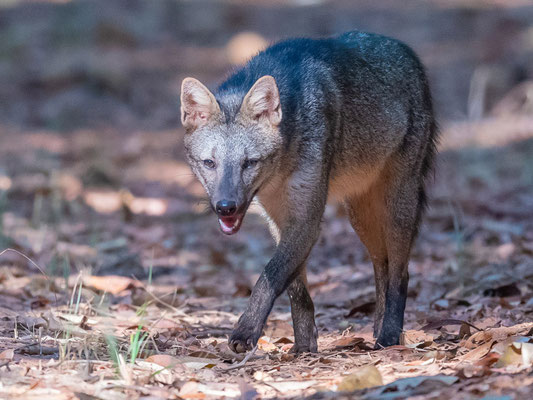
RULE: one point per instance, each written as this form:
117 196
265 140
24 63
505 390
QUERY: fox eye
249 163
209 164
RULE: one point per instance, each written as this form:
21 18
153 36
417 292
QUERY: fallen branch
242 363
448 321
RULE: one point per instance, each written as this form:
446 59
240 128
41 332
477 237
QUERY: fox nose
226 208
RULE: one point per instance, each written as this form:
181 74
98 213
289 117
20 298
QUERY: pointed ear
262 100
198 104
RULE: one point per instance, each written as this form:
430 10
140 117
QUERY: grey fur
357 124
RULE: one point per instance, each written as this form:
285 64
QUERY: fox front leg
303 316
299 231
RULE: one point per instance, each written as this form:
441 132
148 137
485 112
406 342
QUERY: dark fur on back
371 70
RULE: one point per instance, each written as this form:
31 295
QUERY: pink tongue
229 222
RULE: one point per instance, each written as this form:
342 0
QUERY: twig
158 300
6 364
445 322
271 386
244 360
83 360
27 258
211 333
41 270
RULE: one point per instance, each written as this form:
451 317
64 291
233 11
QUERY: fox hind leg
367 214
386 219
405 202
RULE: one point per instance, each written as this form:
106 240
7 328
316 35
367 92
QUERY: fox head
232 144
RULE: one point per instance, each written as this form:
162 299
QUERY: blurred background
67 65
92 174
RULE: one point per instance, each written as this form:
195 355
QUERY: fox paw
243 339
386 341
303 348
306 343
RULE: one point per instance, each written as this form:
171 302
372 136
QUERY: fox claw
243 340
239 347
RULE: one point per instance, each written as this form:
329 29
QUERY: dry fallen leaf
497 334
7 354
283 340
478 353
366 377
511 356
113 284
167 324
346 342
415 338
190 391
527 353
516 353
464 331
264 344
163 360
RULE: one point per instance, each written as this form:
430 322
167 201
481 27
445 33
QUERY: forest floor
159 325
115 282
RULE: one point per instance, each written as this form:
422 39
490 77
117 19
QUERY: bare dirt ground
119 284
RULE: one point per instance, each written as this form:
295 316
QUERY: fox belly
353 181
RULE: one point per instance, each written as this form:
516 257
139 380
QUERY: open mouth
230 225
